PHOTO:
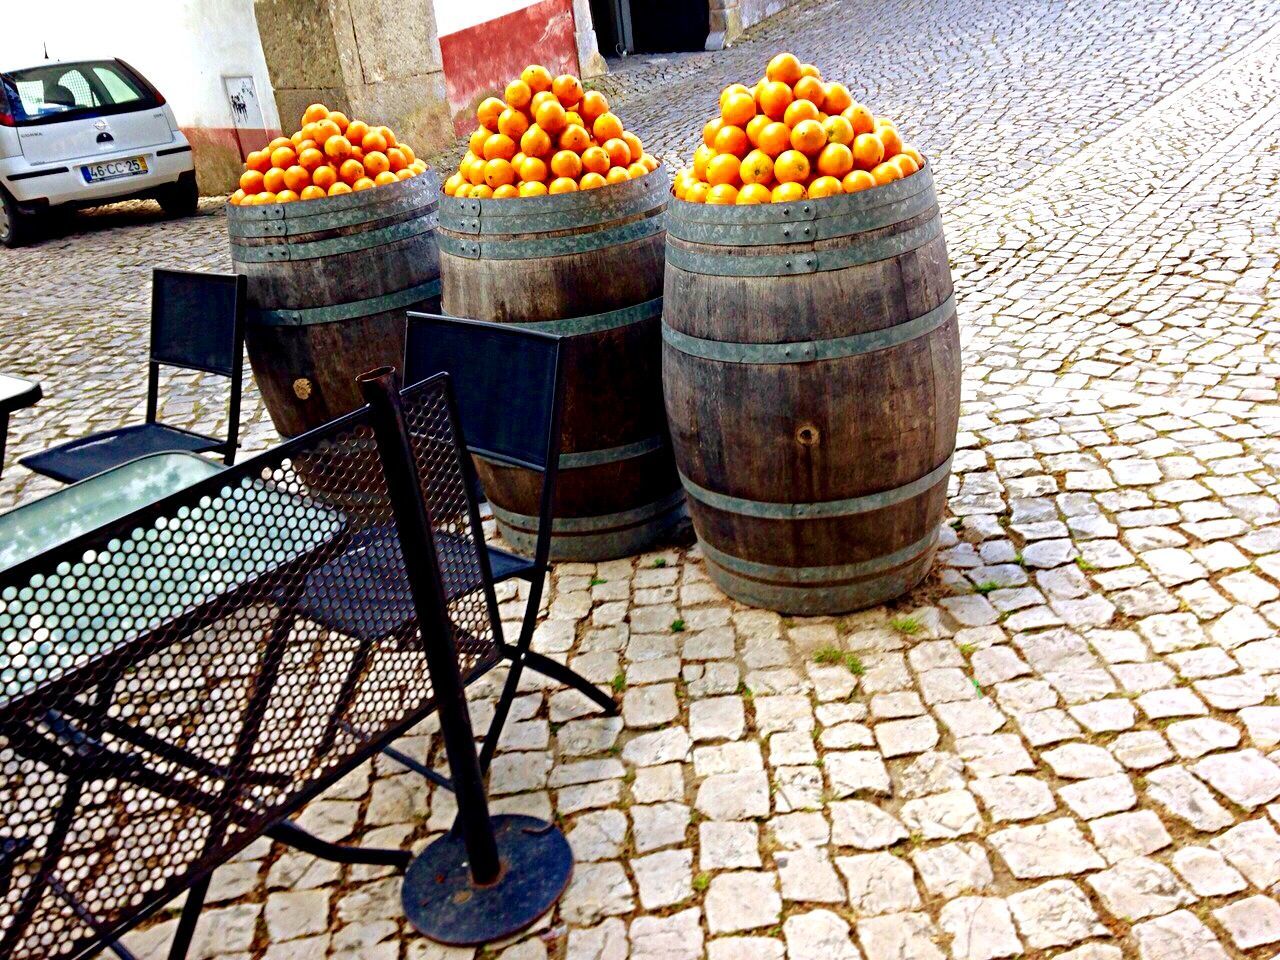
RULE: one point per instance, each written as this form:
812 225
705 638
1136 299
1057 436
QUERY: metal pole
413 523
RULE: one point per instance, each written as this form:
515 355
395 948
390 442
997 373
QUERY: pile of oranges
793 136
328 156
547 135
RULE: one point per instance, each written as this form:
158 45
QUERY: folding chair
197 323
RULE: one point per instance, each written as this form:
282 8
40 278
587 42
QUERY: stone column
378 60
590 60
726 23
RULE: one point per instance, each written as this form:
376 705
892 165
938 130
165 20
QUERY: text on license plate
111 169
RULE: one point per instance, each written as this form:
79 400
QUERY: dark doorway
650 26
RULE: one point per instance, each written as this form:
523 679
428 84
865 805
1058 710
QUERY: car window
60 91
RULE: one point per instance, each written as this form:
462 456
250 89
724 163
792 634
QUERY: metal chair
197 323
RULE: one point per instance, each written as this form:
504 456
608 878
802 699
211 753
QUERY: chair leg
570 678
288 832
79 909
181 944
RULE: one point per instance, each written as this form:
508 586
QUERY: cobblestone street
1067 743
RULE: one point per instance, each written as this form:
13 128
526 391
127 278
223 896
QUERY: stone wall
729 18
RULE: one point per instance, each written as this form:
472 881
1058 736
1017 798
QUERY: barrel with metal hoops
588 266
811 367
329 281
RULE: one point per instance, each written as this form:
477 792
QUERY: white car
84 133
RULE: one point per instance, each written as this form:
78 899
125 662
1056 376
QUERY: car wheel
182 199
16 227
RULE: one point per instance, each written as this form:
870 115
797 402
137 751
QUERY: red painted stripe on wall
481 60
221 139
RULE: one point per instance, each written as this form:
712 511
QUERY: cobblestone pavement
1067 744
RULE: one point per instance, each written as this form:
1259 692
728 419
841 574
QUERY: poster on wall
246 112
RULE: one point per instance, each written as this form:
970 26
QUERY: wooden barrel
587 266
329 283
811 365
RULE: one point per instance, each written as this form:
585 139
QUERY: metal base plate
441 900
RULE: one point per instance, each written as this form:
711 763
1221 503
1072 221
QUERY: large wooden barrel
588 266
811 364
329 283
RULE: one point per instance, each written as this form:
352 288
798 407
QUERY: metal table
15 394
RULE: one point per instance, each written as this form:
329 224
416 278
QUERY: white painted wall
184 47
453 16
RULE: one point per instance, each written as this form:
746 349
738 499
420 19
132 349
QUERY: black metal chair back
197 323
164 701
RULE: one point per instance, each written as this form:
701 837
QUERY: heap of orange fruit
329 155
793 136
547 135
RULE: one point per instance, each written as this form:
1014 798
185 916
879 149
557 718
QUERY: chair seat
91 455
329 597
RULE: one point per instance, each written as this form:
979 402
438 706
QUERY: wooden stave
780 563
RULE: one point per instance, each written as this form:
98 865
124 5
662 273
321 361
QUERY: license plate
114 169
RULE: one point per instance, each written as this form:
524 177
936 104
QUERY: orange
788 192
785 67
825 187
532 168
475 171
738 108
277 143
286 196
356 130
536 77
338 189
317 111
259 160
350 172
838 130
809 70
637 170
681 182
597 159
513 123
914 154
499 145
591 181
404 174
634 145
575 138
326 129
701 157
886 172
649 162
296 178
384 178
407 151
295 138
756 167
593 105
397 159
732 140
539 98
533 188
235 198
498 173
723 194
476 142
791 166
357 154
568 89
566 163
488 112
324 176
859 118
311 131
311 193
616 150
710 129
337 148
729 91
481 192
375 163
756 124
607 127
340 119
697 192
775 138
808 137
310 158
775 97
835 160
264 197
905 164
504 192
562 185
551 116
723 168
837 98
374 140
868 150
811 89
305 145
617 175
535 142
753 193
889 137
517 94
273 180
453 183
798 111
251 182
